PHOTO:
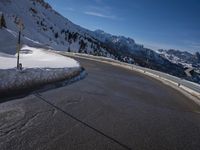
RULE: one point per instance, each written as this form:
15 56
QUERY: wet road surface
111 109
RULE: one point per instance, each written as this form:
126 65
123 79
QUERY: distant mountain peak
43 3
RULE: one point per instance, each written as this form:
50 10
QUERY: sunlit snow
36 58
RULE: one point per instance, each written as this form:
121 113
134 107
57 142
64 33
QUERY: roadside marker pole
18 48
19 42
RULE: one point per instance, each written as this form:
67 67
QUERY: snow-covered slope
45 27
188 60
183 57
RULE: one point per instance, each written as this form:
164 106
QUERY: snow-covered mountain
121 46
44 27
120 40
188 60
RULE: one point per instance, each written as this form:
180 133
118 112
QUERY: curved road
111 109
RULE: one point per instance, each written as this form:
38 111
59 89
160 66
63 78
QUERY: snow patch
31 57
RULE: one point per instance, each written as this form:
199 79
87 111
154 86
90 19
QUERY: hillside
45 27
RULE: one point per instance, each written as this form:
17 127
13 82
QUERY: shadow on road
10 95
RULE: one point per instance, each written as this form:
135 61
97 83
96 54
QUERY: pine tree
69 49
56 35
197 54
2 21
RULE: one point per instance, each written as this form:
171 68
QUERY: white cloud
70 9
91 13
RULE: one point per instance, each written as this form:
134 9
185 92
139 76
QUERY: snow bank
12 80
39 67
37 58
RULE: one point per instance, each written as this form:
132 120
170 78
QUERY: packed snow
31 57
39 67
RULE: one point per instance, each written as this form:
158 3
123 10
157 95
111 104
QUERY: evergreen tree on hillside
197 54
2 21
56 35
69 49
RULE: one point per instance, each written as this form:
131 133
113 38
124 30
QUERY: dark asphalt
111 109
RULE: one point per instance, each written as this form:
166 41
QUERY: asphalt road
111 109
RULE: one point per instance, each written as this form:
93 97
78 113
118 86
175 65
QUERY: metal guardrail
189 87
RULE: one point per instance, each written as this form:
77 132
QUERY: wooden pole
18 48
19 43
1 18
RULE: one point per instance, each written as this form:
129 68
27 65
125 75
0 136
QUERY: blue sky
156 24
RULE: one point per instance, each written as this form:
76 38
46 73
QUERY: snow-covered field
39 67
